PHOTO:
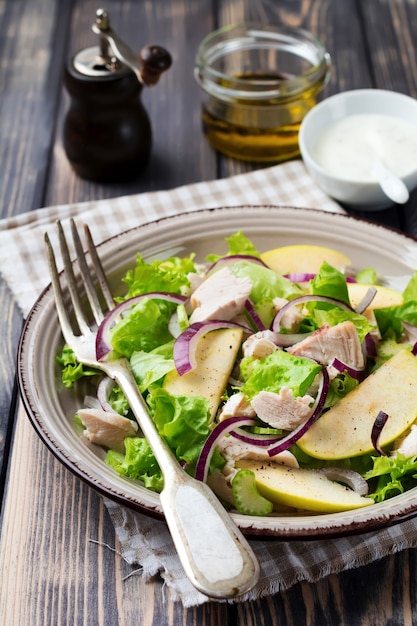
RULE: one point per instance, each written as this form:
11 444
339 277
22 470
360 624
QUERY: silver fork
215 555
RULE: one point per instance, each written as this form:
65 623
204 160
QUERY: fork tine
86 276
58 295
101 276
71 281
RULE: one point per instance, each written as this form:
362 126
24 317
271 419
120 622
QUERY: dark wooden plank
32 38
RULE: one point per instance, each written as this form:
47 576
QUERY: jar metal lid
296 60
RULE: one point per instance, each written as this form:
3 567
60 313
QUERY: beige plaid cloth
145 542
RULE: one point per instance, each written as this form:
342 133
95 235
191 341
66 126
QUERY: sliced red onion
254 439
220 430
299 277
369 346
232 258
366 300
185 344
287 441
347 477
103 392
340 366
414 349
103 344
253 315
276 323
379 423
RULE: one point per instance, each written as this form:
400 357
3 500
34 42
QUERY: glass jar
261 80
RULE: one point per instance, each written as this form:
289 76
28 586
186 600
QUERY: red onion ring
378 425
347 477
185 344
103 344
258 323
276 322
366 300
232 258
221 429
340 366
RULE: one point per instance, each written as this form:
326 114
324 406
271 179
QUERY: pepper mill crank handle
152 61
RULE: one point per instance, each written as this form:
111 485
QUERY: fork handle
216 557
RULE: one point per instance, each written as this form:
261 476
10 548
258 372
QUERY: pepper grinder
107 131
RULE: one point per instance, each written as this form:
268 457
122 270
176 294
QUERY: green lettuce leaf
137 463
72 370
150 367
238 243
395 475
144 328
279 369
331 283
410 292
337 315
168 275
183 421
266 285
339 388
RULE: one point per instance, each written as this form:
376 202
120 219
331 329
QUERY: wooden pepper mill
107 131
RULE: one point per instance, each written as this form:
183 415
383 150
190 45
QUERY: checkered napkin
144 542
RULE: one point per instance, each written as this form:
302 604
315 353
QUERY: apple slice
215 357
384 297
345 430
302 489
303 258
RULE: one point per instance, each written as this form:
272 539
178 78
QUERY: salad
284 390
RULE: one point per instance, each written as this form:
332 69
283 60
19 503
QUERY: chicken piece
408 444
233 450
291 318
107 429
328 342
282 410
259 345
236 405
196 279
221 296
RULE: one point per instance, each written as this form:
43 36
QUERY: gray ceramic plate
51 407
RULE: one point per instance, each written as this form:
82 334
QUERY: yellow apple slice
345 430
302 489
385 296
215 356
303 258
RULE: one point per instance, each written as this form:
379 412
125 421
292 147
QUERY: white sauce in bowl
348 148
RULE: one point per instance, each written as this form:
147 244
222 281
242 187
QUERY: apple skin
344 431
302 489
303 258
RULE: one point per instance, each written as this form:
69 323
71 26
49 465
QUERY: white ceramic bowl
364 195
51 407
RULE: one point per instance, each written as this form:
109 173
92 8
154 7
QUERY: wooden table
56 567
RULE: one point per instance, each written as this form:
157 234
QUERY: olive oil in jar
265 131
254 109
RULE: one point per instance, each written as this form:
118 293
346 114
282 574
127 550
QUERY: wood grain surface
58 555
